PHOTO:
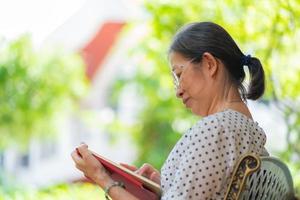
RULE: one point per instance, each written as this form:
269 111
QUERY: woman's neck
228 98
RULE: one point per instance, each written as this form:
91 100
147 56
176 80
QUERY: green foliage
34 87
268 30
57 192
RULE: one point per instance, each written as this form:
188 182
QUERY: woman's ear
211 64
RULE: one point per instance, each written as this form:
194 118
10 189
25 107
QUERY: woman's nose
179 92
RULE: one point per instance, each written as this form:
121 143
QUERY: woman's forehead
176 60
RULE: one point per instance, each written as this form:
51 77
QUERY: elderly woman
208 71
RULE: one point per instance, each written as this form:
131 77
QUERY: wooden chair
260 178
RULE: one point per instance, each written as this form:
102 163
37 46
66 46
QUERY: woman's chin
194 110
197 112
188 104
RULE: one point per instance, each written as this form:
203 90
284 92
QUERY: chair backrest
265 178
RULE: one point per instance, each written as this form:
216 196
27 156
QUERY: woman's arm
95 171
117 192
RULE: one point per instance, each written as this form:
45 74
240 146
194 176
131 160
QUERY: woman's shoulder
227 119
207 126
226 116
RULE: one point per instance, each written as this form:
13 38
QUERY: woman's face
195 83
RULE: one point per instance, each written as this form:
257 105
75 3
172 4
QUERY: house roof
96 50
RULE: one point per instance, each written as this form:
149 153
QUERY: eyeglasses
176 79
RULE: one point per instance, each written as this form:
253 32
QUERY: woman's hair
197 38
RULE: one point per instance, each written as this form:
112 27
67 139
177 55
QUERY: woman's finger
145 170
76 158
79 167
155 177
83 151
130 167
88 178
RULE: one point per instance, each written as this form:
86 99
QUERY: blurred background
96 71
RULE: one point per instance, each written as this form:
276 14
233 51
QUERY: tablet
137 185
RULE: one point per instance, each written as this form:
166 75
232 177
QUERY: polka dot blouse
200 164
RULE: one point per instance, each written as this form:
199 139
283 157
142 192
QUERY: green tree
266 29
57 192
34 87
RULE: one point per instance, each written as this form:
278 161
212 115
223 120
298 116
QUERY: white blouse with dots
200 164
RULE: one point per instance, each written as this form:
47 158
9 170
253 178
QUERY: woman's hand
90 166
146 170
